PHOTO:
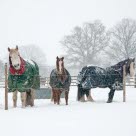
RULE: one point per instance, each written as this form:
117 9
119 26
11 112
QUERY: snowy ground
76 119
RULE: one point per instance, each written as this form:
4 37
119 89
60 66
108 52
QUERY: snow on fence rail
45 82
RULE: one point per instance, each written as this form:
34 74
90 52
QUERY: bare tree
35 53
84 44
123 40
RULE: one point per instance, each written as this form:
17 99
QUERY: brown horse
60 81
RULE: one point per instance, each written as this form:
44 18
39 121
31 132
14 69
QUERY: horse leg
58 96
111 94
32 98
79 89
15 99
80 94
27 99
66 96
23 99
54 96
52 93
82 98
88 95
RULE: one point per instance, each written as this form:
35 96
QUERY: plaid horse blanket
55 81
24 82
93 76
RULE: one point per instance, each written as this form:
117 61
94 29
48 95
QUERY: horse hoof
91 100
82 101
23 106
32 105
109 101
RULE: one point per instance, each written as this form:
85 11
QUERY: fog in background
44 23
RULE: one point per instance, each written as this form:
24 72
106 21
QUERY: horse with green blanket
23 77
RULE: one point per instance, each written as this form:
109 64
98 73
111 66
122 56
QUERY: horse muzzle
17 66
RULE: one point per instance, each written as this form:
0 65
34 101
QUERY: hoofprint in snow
77 119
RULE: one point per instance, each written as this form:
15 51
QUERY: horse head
130 67
14 58
60 65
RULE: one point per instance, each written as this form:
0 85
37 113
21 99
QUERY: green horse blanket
26 79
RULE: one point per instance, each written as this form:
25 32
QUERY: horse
112 77
23 77
60 81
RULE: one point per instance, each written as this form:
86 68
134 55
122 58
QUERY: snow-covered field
76 119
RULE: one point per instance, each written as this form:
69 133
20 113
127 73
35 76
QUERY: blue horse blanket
93 76
55 81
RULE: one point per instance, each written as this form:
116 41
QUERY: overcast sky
45 22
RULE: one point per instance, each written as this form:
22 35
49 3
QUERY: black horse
111 77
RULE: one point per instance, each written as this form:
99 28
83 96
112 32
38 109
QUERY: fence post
6 87
135 80
124 83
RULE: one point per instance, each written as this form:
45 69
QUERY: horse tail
79 92
68 80
36 79
36 67
53 78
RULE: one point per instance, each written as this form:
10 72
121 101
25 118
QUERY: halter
13 71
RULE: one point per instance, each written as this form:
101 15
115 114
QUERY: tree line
89 44
93 44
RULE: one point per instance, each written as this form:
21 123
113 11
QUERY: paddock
44 83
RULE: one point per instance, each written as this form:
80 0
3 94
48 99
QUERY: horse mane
120 64
10 63
63 69
63 75
57 65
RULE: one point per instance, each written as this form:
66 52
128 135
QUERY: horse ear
133 59
16 47
62 58
57 57
8 49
